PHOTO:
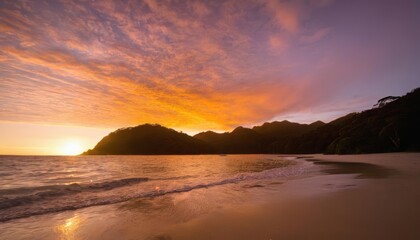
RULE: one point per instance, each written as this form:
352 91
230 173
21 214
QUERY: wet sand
373 196
376 198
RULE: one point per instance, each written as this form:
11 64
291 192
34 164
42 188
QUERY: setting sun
71 148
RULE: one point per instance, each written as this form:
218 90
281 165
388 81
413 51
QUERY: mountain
392 125
259 139
149 139
240 140
278 130
280 134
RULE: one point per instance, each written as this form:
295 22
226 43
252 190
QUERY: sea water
36 189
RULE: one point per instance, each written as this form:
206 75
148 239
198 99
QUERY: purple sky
198 65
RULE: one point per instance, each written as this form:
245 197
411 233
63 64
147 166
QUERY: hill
240 140
149 139
282 133
392 125
259 139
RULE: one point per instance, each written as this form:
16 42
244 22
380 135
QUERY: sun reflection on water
68 229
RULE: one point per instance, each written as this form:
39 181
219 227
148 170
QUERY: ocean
39 191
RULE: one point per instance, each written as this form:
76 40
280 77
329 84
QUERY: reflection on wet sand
364 170
336 198
68 230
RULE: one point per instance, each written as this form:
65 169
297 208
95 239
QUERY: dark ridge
391 126
149 139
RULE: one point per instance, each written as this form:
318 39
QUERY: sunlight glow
71 148
68 229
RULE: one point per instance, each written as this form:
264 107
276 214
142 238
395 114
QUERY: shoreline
337 206
342 197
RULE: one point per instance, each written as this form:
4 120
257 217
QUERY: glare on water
68 229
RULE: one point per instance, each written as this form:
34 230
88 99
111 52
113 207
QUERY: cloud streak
185 64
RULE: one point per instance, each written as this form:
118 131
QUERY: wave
45 192
86 196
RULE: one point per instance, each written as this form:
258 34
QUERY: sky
73 71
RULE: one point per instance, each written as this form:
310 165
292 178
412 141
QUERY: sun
71 148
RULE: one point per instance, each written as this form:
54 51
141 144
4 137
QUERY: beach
372 196
328 207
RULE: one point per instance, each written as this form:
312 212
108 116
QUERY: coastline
326 207
371 196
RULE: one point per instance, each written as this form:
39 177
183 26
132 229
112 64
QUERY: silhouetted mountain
240 140
276 130
392 125
149 139
316 124
314 141
280 134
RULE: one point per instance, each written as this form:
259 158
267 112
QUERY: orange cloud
287 14
190 65
278 43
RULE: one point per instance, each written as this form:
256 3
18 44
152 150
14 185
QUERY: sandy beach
353 197
328 207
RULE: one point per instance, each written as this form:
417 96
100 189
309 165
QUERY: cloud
287 14
321 3
315 36
200 9
189 64
278 43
